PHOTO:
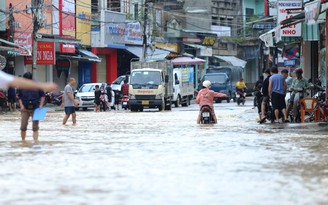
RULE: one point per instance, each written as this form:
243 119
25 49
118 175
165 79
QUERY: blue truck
224 79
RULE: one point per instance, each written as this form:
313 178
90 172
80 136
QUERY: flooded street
160 158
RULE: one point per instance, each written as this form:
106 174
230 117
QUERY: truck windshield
216 78
87 88
146 77
118 80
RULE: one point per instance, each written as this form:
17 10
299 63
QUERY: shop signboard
290 63
206 51
312 11
83 21
67 23
134 34
283 7
23 39
115 32
45 54
167 47
273 8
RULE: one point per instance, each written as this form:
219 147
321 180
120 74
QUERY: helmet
207 83
299 71
28 75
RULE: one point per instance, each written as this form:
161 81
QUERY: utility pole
144 43
37 8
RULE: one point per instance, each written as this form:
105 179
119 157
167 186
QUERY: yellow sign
83 21
167 46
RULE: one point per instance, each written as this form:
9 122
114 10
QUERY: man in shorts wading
69 102
277 93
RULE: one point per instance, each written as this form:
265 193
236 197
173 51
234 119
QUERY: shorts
11 99
97 102
69 110
278 101
24 121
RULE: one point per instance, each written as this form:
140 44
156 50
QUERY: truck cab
149 89
183 86
220 83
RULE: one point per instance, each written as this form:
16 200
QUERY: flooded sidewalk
125 158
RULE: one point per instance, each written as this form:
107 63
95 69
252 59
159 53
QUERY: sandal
262 120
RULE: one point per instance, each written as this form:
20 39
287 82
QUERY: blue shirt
33 96
278 82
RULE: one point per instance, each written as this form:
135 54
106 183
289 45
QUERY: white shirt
5 79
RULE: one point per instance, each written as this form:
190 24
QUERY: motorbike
104 105
54 98
206 115
294 113
125 102
241 97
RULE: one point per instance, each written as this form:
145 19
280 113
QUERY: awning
15 45
232 60
195 46
158 54
84 55
187 61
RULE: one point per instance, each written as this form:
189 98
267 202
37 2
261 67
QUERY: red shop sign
45 54
67 48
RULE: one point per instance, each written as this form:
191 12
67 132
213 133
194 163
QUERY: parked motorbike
54 98
294 113
125 102
241 97
206 115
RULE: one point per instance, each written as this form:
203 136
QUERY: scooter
294 114
125 102
206 115
241 98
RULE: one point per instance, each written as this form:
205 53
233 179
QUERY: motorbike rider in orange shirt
206 97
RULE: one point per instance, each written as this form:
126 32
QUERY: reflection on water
164 158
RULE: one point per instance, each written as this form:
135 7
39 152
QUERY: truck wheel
161 107
177 103
169 106
228 100
184 103
188 101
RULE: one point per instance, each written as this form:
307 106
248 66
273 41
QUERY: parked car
118 82
85 95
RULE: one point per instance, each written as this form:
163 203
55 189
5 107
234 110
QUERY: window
249 13
223 46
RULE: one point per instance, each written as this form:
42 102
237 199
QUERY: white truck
183 88
151 85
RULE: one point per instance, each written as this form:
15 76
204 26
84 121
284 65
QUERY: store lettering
45 55
289 32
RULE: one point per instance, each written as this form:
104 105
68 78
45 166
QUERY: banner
83 21
67 22
290 31
45 54
312 11
134 34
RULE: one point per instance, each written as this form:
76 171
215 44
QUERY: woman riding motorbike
205 97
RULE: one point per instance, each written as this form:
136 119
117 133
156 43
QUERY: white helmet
207 83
